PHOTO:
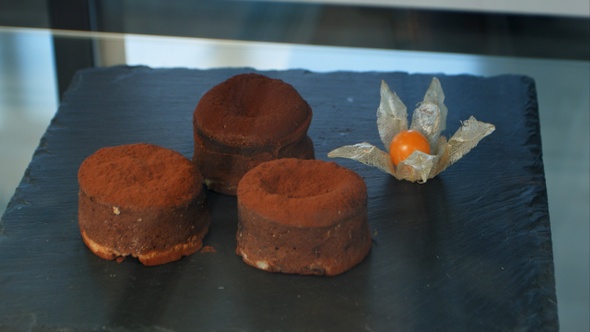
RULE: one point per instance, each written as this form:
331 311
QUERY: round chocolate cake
303 217
244 121
141 200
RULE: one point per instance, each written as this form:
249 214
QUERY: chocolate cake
302 217
244 121
141 200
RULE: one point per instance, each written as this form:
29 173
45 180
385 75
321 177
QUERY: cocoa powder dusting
251 109
140 175
303 193
298 182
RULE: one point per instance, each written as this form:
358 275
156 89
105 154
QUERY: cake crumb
207 249
116 210
262 265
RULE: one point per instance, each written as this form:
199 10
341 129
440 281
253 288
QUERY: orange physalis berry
406 142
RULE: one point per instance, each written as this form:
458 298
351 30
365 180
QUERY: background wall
548 7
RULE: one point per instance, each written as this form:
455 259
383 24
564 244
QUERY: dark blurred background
489 33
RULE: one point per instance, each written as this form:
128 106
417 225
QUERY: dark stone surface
468 251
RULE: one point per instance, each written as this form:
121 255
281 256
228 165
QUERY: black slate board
467 251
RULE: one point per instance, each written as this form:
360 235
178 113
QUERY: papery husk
367 154
466 138
418 167
392 115
429 118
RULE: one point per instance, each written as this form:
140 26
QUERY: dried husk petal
392 115
467 137
367 154
429 118
416 167
435 95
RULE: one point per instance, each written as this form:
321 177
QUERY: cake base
155 235
151 258
327 251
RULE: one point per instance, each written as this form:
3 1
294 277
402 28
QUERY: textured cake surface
252 110
141 200
302 216
244 121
